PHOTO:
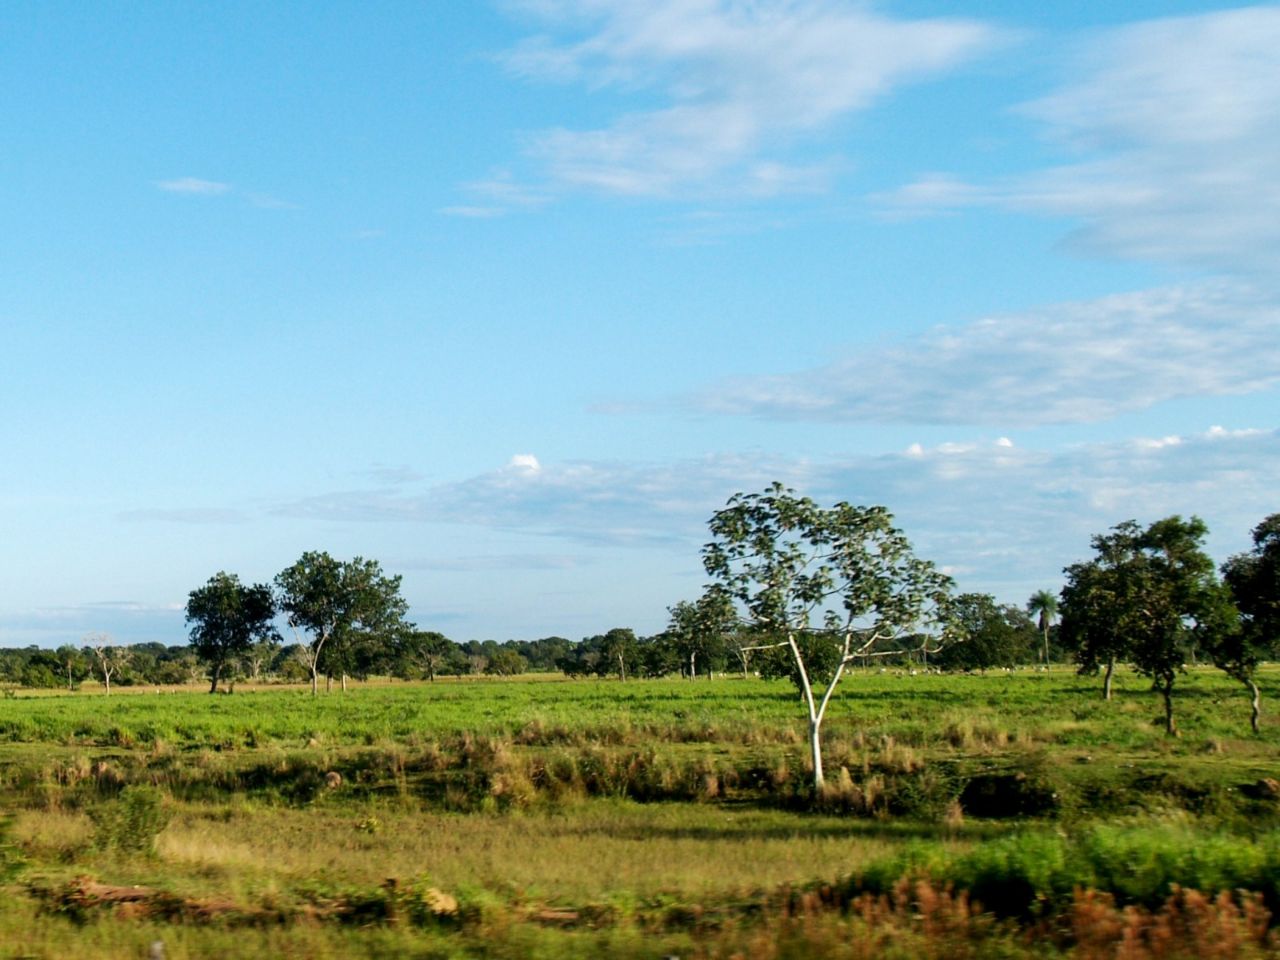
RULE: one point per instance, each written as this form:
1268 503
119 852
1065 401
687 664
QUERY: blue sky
512 296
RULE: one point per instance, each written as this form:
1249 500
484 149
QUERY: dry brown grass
596 848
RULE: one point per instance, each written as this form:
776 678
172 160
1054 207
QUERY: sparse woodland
834 751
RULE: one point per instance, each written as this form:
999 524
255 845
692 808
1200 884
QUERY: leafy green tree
1254 581
365 638
620 649
1146 596
260 655
227 618
996 635
340 604
423 651
71 662
841 580
696 631
1089 627
1043 605
543 653
506 663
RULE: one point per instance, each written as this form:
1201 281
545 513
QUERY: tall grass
964 816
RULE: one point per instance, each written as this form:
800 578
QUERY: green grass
637 807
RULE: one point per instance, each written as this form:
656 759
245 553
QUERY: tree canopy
1147 596
831 584
1254 581
340 604
227 617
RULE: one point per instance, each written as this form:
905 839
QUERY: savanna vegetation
831 752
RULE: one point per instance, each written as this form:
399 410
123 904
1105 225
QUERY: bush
132 821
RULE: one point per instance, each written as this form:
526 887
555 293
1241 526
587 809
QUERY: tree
261 654
841 581
424 650
109 658
620 648
375 617
227 618
340 604
1043 605
996 635
1145 596
1254 581
71 661
507 662
1089 627
697 630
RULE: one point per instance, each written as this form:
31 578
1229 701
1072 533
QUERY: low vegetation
1006 813
703 792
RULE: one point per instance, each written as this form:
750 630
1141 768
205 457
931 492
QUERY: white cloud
597 502
1075 362
1174 126
526 462
1010 516
193 185
737 86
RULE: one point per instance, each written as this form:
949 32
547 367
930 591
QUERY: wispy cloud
125 621
472 212
193 185
492 561
594 502
1003 514
193 515
212 188
1074 362
735 86
393 476
1009 516
1174 130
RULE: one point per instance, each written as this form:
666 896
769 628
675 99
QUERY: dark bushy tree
422 653
227 618
1254 581
1147 595
341 605
996 635
1043 605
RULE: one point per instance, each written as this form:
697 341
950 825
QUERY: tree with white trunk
829 585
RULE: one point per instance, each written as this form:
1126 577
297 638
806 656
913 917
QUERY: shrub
132 821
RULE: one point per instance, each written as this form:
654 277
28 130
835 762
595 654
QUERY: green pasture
924 710
645 818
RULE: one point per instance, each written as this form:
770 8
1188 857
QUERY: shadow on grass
888 831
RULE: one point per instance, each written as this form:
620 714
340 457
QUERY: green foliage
132 821
1043 605
1033 873
996 635
344 605
1147 597
422 652
1238 647
697 633
227 619
833 585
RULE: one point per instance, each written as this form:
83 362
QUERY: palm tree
1044 605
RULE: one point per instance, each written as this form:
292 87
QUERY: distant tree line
796 591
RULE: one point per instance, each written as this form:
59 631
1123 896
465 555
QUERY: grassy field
1006 814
